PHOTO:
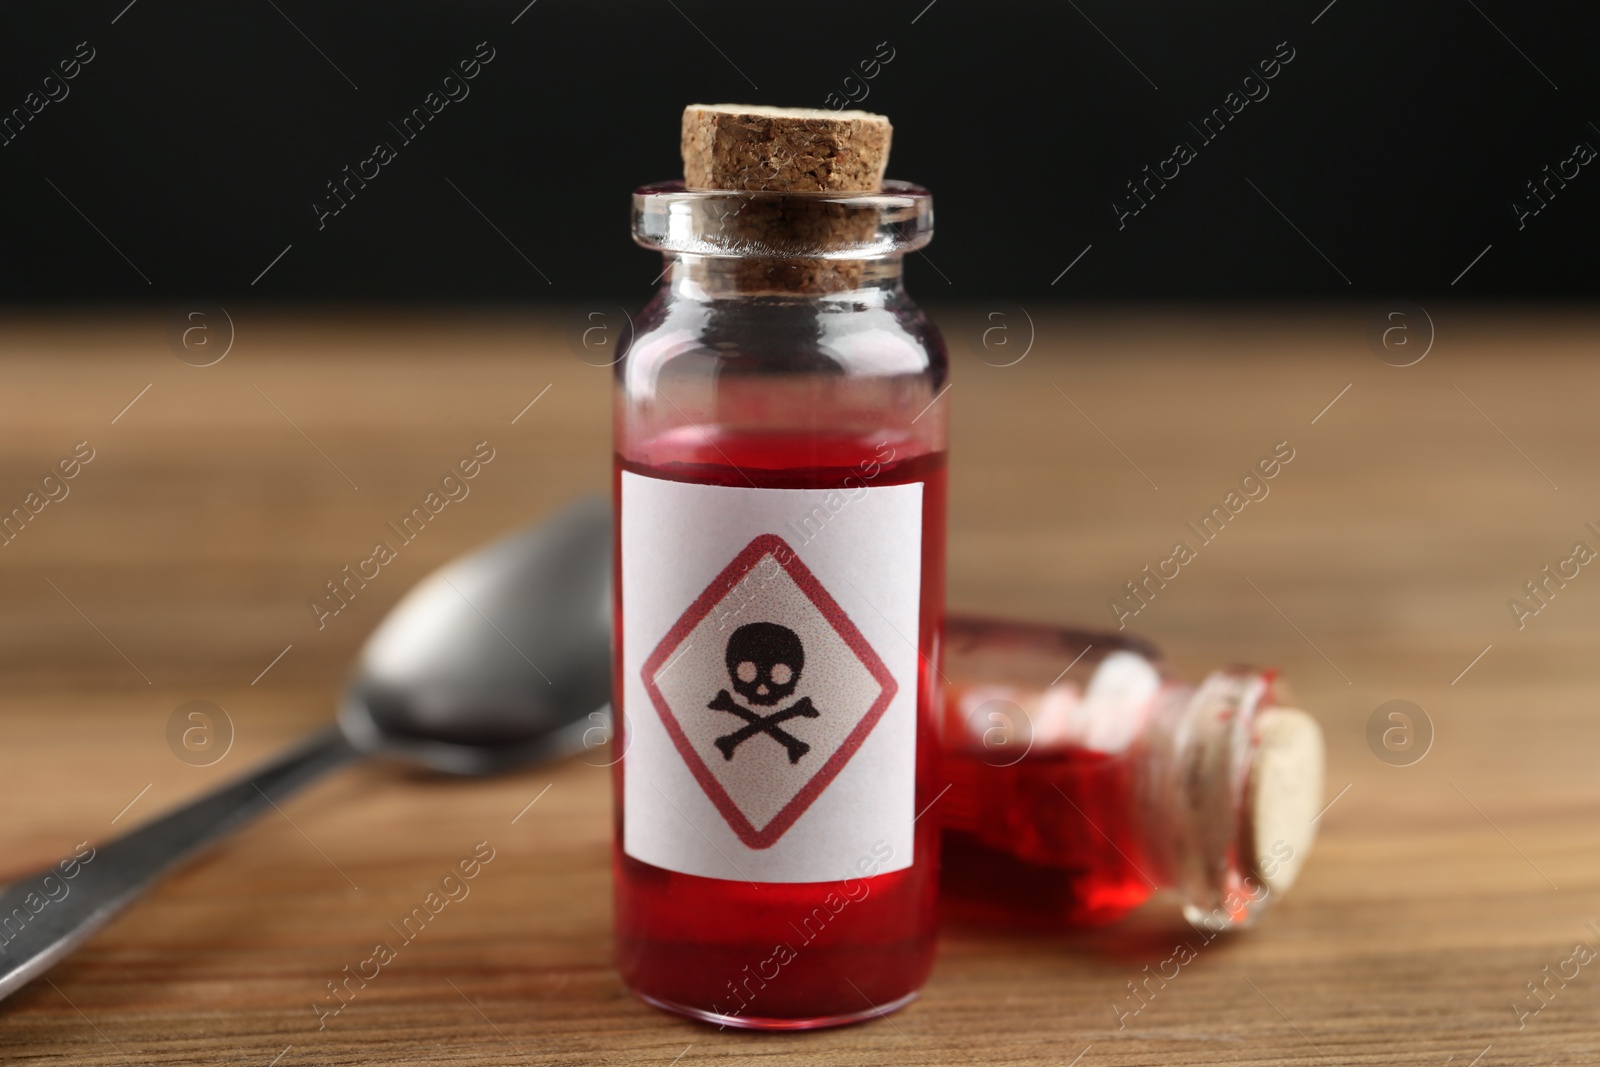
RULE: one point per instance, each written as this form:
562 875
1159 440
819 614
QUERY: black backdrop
1384 160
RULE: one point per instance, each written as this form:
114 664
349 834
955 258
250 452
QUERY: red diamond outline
732 575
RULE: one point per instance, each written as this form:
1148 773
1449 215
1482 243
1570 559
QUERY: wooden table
1379 568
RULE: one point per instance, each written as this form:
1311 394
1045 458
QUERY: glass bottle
1085 777
780 493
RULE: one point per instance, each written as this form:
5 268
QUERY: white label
769 677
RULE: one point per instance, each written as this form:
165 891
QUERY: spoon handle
47 914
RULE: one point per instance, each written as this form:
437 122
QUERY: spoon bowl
497 659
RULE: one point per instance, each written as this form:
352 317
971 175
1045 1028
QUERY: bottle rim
759 223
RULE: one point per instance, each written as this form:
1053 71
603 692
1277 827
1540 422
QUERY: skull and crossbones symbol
764 663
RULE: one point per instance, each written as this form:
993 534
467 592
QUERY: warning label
769 687
793 692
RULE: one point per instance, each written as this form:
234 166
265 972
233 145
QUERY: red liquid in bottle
1047 839
711 947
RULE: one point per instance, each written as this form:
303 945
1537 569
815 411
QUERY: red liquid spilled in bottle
1046 840
788 954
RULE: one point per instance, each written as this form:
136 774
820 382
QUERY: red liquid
709 946
1049 839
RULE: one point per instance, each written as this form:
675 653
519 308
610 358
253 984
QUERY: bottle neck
718 277
1191 799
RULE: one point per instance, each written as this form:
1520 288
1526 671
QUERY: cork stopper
784 149
749 148
1283 794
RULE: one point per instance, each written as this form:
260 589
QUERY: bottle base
761 1022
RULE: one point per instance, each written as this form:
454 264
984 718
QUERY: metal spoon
499 659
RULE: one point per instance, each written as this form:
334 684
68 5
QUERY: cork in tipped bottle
1282 795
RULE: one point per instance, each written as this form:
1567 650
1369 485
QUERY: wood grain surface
1379 568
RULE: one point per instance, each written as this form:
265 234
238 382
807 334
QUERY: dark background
197 139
